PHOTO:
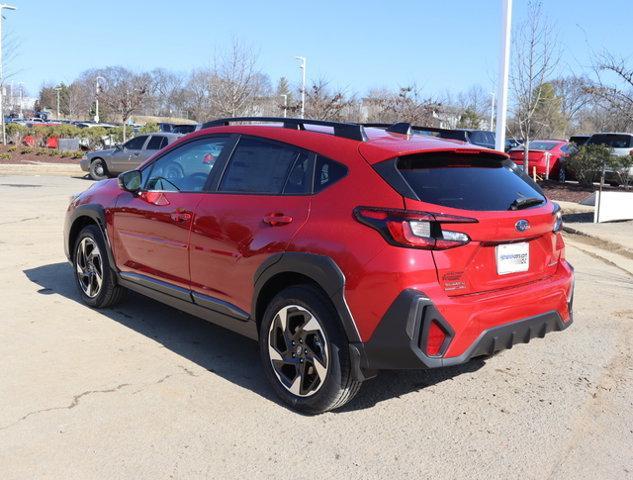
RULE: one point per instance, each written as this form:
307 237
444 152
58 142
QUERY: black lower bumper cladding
398 342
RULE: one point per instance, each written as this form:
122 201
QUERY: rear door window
136 143
156 142
259 166
468 184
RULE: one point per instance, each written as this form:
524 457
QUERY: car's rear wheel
305 351
98 169
95 279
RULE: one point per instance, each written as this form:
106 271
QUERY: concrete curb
609 248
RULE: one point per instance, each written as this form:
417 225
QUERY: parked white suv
621 145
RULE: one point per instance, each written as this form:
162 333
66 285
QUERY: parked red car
343 250
557 150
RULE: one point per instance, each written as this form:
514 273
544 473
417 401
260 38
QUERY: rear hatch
508 220
534 156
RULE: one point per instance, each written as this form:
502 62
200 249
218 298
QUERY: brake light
435 339
412 229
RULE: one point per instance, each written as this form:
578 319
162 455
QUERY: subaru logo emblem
522 225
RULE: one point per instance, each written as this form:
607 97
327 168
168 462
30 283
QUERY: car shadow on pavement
222 352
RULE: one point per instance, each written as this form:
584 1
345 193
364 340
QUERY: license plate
513 257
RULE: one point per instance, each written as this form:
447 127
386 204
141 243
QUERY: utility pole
302 66
504 73
3 6
285 104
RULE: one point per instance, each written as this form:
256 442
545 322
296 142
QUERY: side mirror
130 181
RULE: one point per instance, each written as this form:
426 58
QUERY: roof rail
353 131
400 127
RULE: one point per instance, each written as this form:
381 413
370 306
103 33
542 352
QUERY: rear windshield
469 184
453 134
540 145
484 139
613 141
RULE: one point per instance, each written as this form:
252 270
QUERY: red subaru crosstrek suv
343 249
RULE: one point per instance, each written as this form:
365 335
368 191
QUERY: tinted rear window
327 172
469 184
482 138
613 141
540 145
453 134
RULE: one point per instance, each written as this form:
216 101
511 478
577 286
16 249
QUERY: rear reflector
435 339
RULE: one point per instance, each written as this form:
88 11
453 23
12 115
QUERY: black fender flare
96 213
319 268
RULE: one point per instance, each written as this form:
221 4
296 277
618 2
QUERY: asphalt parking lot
144 391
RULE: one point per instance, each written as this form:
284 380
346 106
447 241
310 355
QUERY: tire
94 278
98 169
327 382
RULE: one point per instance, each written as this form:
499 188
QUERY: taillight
435 339
412 229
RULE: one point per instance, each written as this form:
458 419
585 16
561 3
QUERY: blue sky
356 45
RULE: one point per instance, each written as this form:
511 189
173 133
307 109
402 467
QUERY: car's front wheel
98 169
95 278
305 351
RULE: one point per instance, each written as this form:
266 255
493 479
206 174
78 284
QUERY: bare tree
406 105
168 93
197 94
535 59
236 81
324 103
124 92
572 92
617 95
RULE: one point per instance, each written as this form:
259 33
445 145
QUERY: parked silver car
621 145
112 161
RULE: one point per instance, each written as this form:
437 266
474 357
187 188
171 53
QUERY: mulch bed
572 192
32 156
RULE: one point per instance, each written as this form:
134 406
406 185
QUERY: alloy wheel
298 350
89 265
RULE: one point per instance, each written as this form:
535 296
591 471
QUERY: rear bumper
399 340
84 163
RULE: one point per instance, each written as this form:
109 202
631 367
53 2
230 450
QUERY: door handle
276 219
180 217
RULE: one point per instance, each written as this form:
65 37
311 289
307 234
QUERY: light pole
97 91
302 66
3 6
492 111
504 72
285 104
21 85
58 89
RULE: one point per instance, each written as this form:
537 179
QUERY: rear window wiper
521 203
